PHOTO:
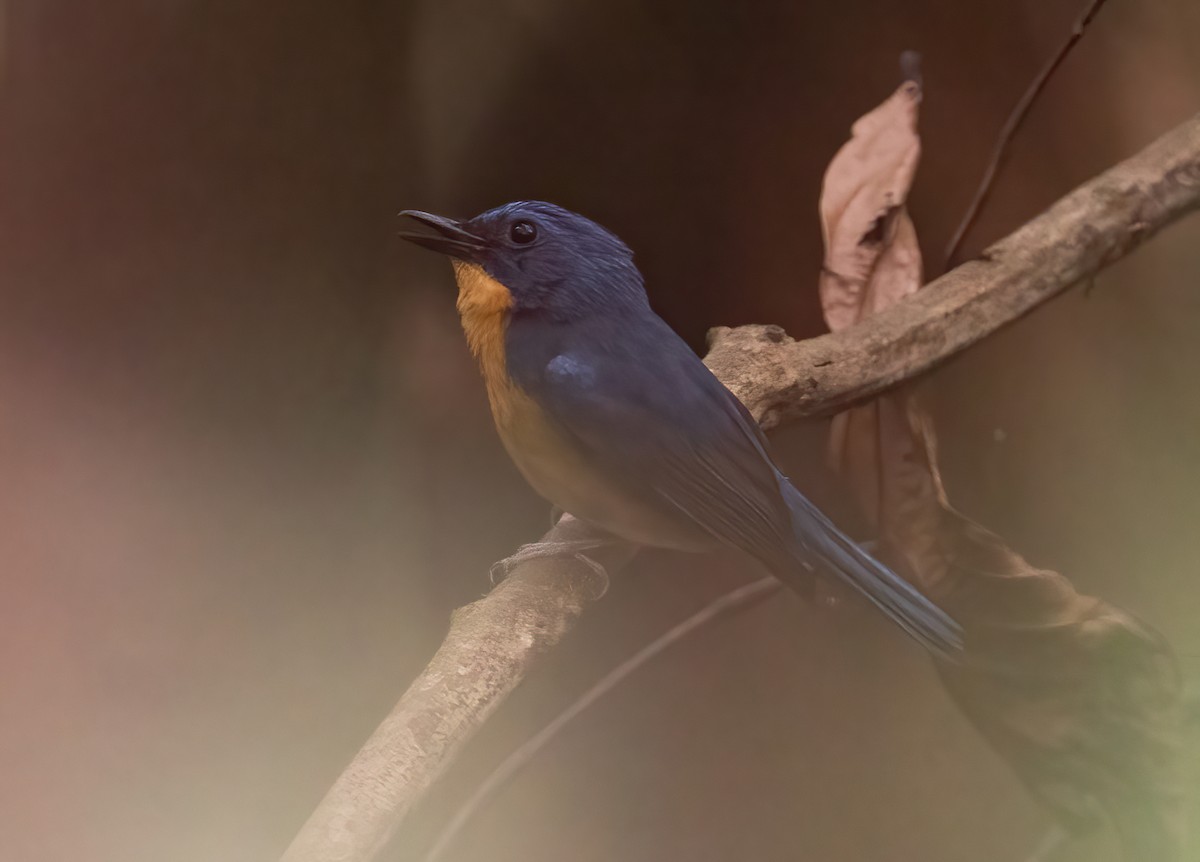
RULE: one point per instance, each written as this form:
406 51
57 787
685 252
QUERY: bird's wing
645 409
659 422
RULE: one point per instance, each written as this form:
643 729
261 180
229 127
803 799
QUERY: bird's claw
501 569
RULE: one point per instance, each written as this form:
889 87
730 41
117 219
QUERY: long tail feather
818 538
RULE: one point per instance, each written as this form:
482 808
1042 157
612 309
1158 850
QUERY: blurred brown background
248 470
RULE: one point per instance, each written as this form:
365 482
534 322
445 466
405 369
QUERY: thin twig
732 602
1000 151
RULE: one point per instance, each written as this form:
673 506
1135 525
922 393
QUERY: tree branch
493 643
1100 222
487 652
735 601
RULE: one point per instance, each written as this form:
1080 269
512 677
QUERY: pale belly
556 470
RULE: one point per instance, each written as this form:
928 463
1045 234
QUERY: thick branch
493 643
487 652
1100 222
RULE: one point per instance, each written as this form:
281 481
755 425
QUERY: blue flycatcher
611 416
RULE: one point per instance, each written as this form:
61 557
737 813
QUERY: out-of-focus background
247 467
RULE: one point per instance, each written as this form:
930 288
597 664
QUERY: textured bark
487 651
493 643
1100 222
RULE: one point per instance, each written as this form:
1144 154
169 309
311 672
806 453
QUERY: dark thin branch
1012 124
740 599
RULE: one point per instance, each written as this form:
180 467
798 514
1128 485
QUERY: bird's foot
569 549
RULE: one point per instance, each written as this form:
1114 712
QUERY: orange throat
483 307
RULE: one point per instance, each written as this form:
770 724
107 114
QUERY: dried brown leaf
862 213
1081 699
872 259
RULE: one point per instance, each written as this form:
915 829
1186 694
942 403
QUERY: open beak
450 237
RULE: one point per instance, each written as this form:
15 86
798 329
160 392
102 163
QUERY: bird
611 416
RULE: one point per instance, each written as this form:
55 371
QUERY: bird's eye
523 232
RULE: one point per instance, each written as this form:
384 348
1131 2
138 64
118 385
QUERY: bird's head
534 257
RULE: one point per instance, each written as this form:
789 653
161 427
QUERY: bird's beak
451 238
